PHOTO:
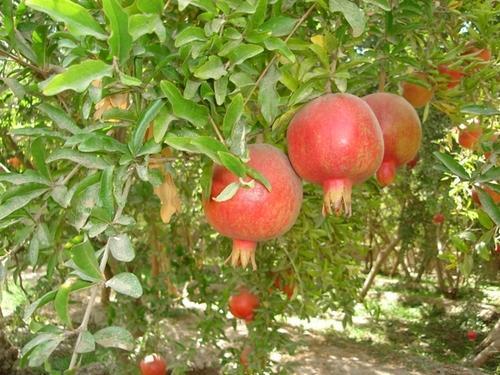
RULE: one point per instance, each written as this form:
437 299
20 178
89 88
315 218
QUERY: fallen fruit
153 364
244 304
335 141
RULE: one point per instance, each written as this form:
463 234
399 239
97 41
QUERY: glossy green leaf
114 337
147 116
213 68
61 301
85 259
184 108
268 96
276 44
29 176
126 283
161 124
482 110
352 13
233 114
150 6
452 165
259 177
120 41
78 19
101 143
244 52
279 25
87 160
209 146
232 163
77 77
142 24
46 298
38 148
188 35
220 88
62 120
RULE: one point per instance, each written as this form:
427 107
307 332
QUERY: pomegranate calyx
243 254
337 195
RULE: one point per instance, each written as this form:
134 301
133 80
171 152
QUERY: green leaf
268 96
147 116
86 344
259 177
228 192
126 283
106 192
213 68
79 21
120 40
142 24
489 206
121 248
101 143
115 337
87 160
244 52
275 44
61 301
43 351
206 180
232 163
17 202
209 146
482 110
279 25
77 77
220 88
383 4
184 108
46 298
38 340
180 143
161 124
188 35
29 176
452 165
492 174
39 159
233 114
352 13
150 6
85 259
60 118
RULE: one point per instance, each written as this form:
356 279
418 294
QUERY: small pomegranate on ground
153 364
417 95
471 335
401 130
244 304
255 214
453 76
335 141
438 218
469 137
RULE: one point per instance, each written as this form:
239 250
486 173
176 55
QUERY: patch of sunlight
12 298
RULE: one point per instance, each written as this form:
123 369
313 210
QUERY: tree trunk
381 258
491 345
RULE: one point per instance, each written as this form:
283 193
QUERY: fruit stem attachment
243 253
337 196
386 173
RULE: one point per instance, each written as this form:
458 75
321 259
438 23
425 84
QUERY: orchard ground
398 331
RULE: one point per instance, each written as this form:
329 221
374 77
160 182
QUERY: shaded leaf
147 116
228 192
120 40
213 68
115 337
86 344
233 113
84 257
352 13
121 248
17 202
126 283
184 108
87 160
452 165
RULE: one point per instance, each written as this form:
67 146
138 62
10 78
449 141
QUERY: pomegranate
417 95
438 218
469 137
243 305
471 335
483 55
245 353
256 214
453 76
288 289
413 162
335 141
153 364
401 131
14 162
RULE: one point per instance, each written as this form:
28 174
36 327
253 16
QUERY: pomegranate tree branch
275 57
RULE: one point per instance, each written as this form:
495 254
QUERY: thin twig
275 57
70 175
22 62
217 131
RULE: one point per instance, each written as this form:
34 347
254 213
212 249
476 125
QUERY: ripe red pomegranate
481 54
288 289
401 131
256 214
335 141
14 162
471 335
417 95
244 304
153 364
413 162
469 137
453 76
438 218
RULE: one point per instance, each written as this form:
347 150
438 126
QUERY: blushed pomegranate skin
418 96
244 304
401 130
255 214
453 76
468 138
153 364
335 141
